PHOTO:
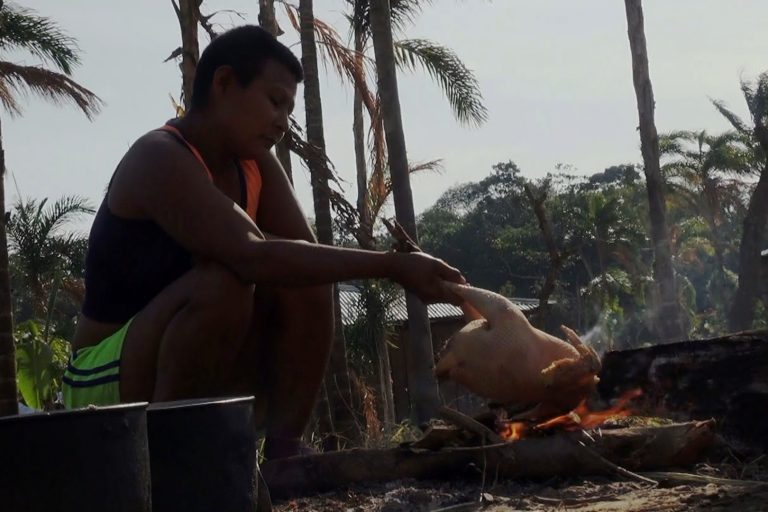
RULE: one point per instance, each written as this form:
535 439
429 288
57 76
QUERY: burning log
563 454
723 378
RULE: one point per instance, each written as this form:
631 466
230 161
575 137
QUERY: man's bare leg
185 342
291 350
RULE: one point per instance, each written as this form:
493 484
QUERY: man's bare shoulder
155 162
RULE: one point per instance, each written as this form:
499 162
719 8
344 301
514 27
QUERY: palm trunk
752 243
314 118
188 13
422 384
670 318
340 393
721 289
358 133
8 392
268 21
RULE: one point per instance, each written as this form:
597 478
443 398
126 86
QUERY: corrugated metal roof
351 308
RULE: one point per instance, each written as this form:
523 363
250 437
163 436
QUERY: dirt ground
733 485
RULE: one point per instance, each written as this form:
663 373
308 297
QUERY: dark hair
245 49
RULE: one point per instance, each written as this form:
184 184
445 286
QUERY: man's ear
223 79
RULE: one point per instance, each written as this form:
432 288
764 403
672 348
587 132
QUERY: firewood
675 478
438 436
471 424
403 241
636 448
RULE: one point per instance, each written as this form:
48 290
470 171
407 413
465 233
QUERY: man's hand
425 276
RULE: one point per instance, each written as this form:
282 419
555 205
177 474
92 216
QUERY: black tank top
130 261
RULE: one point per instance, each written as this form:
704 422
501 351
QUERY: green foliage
40 364
370 324
46 262
455 78
600 224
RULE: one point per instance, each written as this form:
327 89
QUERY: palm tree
456 80
422 385
268 21
699 172
742 312
42 257
22 29
670 319
338 394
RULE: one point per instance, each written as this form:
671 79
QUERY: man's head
247 80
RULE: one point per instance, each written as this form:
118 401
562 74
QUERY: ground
596 494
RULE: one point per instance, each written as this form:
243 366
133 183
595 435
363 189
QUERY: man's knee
220 293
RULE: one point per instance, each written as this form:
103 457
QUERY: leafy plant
40 364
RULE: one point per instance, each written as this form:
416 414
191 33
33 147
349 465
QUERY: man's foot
281 448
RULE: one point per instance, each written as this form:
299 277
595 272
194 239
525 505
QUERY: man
202 275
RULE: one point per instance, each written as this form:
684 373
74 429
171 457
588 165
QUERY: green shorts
93 373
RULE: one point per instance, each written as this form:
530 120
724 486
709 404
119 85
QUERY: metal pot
203 455
83 460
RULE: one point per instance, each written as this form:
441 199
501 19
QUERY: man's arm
280 214
165 183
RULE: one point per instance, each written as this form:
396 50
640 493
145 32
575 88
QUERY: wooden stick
403 241
471 424
689 478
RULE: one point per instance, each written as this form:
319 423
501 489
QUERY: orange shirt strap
249 167
193 149
253 184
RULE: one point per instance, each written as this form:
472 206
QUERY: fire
514 430
580 418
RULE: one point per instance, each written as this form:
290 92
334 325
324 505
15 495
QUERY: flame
580 418
514 430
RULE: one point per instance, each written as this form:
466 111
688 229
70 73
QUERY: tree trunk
752 243
268 21
376 312
423 387
8 392
358 133
314 118
723 378
556 257
669 314
188 13
340 392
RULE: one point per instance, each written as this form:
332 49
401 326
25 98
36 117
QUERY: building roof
351 308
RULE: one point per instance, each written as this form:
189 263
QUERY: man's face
258 113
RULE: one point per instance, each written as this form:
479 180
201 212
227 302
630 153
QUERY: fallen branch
470 424
636 448
670 477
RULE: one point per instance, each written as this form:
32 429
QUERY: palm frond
757 99
402 14
738 124
8 100
22 28
345 61
455 78
380 184
64 210
50 85
431 165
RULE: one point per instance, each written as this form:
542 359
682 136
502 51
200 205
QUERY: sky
555 76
